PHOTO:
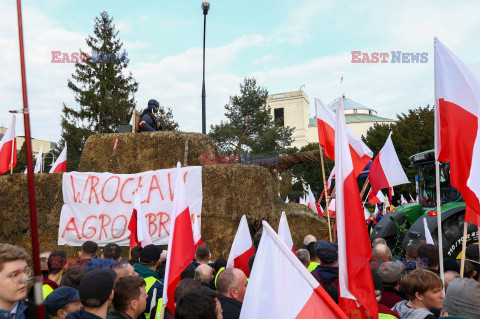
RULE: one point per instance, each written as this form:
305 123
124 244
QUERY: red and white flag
181 248
242 248
38 162
356 291
360 153
8 149
379 198
60 164
284 291
287 200
332 207
312 203
139 235
197 233
403 200
411 198
284 232
457 127
386 170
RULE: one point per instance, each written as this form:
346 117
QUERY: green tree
412 133
102 88
21 160
166 116
249 126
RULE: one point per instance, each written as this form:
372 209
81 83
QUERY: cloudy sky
283 44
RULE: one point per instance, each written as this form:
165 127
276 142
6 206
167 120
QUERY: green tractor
405 225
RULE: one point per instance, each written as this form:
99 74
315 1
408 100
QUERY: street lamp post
205 7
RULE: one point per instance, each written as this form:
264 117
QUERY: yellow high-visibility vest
46 289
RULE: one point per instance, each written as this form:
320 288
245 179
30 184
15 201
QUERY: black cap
153 103
59 298
150 254
326 252
96 286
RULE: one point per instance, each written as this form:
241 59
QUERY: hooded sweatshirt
407 312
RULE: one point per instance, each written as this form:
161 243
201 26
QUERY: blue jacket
148 122
25 310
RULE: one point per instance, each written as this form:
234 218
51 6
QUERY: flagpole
38 281
464 247
439 220
326 195
13 145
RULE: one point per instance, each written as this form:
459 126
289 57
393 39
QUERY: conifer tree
103 90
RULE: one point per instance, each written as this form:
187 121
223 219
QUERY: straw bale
140 152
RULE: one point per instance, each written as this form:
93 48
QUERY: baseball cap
326 252
96 286
59 298
150 254
390 272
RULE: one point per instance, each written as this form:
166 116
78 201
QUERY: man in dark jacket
130 298
231 286
148 121
327 272
96 294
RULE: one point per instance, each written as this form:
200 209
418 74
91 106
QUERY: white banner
98 206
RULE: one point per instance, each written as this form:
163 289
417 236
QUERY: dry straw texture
229 191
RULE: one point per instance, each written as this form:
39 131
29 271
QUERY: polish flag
287 200
376 210
8 149
356 291
181 248
428 235
312 203
366 213
411 198
284 232
38 162
242 248
329 181
361 154
332 207
403 200
60 164
386 170
137 226
457 127
197 233
286 290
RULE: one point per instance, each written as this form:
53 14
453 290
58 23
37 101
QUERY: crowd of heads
103 283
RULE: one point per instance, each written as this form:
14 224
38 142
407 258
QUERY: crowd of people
103 284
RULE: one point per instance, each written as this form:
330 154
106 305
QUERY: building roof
348 105
356 118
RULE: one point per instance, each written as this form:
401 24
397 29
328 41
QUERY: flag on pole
38 162
286 290
417 201
378 198
366 212
360 153
411 198
139 235
197 232
181 249
242 248
376 210
312 203
457 129
287 200
60 164
284 232
403 200
329 181
332 207
356 291
386 170
428 235
8 149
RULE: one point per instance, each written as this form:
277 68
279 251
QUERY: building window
355 111
278 116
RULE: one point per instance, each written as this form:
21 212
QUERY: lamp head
205 6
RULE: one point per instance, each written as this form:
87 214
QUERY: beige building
47 146
292 109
